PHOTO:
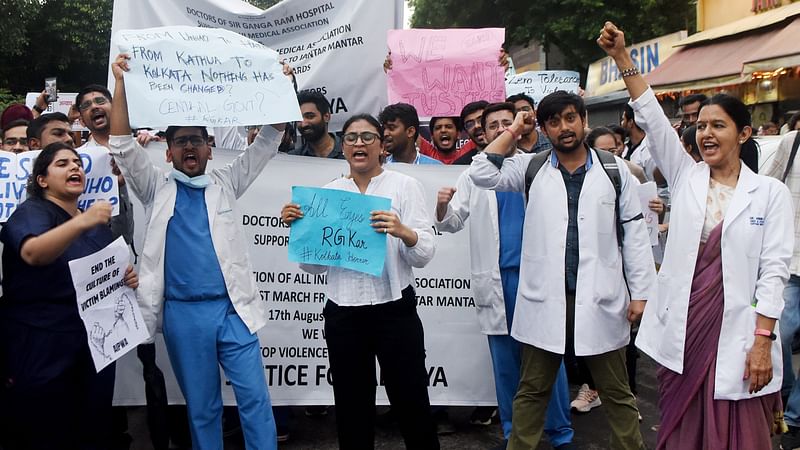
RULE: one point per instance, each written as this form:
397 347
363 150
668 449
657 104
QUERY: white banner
101 183
108 308
337 47
294 353
537 84
232 81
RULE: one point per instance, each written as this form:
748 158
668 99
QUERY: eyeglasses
15 141
495 125
366 137
183 141
88 103
470 124
525 108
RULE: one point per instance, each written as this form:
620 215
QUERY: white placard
101 183
647 192
336 47
63 103
537 84
108 308
204 77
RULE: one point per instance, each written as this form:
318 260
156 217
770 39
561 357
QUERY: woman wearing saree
720 286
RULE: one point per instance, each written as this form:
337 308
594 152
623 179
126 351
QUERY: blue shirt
542 144
43 296
510 218
574 183
191 267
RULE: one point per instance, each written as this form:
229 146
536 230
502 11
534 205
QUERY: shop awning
728 60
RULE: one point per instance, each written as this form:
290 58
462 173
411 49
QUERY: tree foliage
571 25
68 39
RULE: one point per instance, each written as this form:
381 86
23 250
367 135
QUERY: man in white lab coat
572 290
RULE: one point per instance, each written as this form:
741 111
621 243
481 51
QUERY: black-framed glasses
15 141
367 137
183 141
470 124
88 103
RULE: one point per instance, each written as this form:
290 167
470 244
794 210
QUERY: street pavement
591 430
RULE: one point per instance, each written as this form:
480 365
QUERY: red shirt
428 149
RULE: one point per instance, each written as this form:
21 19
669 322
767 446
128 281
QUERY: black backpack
609 164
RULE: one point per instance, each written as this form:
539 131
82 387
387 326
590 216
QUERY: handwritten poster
440 71
335 230
108 308
204 77
647 192
538 84
101 183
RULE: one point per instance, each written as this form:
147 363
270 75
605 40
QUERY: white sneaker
586 400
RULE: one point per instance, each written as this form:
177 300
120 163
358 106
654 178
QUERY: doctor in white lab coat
721 282
572 291
495 243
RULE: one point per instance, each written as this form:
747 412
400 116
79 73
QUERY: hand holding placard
337 229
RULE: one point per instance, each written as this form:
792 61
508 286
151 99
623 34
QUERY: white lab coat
601 298
157 191
757 242
484 248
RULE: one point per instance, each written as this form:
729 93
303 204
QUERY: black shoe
283 434
317 411
791 439
483 415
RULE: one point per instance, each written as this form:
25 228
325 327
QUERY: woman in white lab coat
721 282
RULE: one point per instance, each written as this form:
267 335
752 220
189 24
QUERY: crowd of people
567 284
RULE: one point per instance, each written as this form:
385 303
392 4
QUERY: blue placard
335 230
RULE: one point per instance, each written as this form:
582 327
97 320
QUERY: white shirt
351 288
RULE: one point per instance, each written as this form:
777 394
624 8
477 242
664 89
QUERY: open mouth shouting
75 180
190 161
99 118
360 156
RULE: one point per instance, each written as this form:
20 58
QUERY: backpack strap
534 166
609 164
792 154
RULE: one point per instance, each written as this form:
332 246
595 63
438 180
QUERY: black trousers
51 397
392 332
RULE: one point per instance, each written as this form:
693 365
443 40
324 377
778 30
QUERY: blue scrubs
504 349
202 331
52 395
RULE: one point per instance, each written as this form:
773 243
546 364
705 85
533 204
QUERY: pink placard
440 71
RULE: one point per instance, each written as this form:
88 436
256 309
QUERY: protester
368 317
794 122
196 276
689 141
580 302
531 141
768 129
15 136
14 112
784 167
47 129
316 141
401 130
711 327
602 138
53 397
620 135
495 265
690 107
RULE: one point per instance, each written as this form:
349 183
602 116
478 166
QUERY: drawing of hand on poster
440 71
108 308
336 230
